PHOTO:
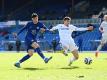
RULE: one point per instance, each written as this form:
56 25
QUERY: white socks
65 51
72 59
99 48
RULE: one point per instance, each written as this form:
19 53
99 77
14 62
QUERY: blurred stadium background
14 14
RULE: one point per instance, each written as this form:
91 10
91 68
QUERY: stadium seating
86 38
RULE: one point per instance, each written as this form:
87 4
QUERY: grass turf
56 69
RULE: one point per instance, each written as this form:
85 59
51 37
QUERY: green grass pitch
56 69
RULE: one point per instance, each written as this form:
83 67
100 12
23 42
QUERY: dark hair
67 18
34 15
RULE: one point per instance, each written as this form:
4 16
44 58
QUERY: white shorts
69 45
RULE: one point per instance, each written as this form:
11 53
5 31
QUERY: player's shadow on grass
72 67
32 69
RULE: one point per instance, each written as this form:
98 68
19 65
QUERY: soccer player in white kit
65 30
103 30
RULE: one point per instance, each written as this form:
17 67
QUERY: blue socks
25 58
40 53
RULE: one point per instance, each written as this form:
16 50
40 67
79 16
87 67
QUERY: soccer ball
88 60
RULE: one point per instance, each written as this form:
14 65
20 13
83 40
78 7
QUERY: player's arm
54 28
90 28
25 27
49 30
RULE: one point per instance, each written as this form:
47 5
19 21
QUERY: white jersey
65 35
104 26
66 31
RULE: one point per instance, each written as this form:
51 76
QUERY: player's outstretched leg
75 57
26 57
99 47
38 50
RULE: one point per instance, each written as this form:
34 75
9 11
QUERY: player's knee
30 52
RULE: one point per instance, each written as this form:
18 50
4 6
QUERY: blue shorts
28 43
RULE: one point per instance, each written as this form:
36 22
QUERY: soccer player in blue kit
32 29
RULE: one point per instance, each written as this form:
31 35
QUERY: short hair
34 15
67 18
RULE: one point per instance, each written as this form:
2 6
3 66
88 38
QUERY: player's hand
90 28
42 30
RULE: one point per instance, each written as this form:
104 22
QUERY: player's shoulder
60 25
41 23
71 25
30 23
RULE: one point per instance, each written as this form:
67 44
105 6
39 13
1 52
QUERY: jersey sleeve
74 28
24 28
55 28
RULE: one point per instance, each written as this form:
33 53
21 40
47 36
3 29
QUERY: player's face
35 19
66 22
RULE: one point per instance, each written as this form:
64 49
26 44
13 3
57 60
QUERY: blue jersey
32 30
